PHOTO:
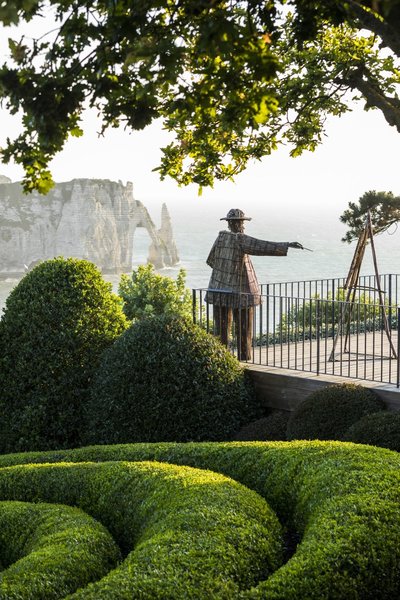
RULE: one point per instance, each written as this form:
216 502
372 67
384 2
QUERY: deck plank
367 356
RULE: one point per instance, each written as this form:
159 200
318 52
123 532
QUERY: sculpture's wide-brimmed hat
235 214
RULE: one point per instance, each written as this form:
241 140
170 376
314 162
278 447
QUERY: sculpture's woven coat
233 271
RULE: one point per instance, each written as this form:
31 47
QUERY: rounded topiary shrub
329 412
270 428
165 379
57 322
379 429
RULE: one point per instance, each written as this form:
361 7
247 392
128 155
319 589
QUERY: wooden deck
367 356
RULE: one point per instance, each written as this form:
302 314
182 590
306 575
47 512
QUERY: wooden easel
351 285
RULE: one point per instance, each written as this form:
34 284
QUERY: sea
317 227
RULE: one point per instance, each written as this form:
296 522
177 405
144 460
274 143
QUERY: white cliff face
83 218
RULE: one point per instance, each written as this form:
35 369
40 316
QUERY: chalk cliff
95 219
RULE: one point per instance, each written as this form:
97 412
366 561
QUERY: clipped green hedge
327 413
182 529
56 324
165 379
48 551
273 427
340 498
379 429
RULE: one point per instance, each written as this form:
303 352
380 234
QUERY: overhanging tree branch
389 106
388 34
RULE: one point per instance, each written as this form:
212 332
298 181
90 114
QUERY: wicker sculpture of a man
233 287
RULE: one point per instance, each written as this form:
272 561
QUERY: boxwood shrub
56 323
270 428
341 499
379 429
48 551
185 533
165 379
328 412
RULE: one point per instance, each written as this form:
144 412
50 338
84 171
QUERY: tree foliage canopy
384 208
231 79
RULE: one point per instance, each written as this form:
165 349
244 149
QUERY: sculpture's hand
296 245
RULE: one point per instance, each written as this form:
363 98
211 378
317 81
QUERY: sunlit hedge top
183 532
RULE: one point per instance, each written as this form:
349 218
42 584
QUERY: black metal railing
309 326
332 287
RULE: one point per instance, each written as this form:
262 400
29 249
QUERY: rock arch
94 219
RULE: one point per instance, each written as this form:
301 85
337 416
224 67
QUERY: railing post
318 330
398 348
194 305
201 307
267 316
260 326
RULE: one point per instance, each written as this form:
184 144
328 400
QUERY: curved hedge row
48 551
184 529
342 499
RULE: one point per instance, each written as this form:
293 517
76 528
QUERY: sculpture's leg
244 332
222 323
